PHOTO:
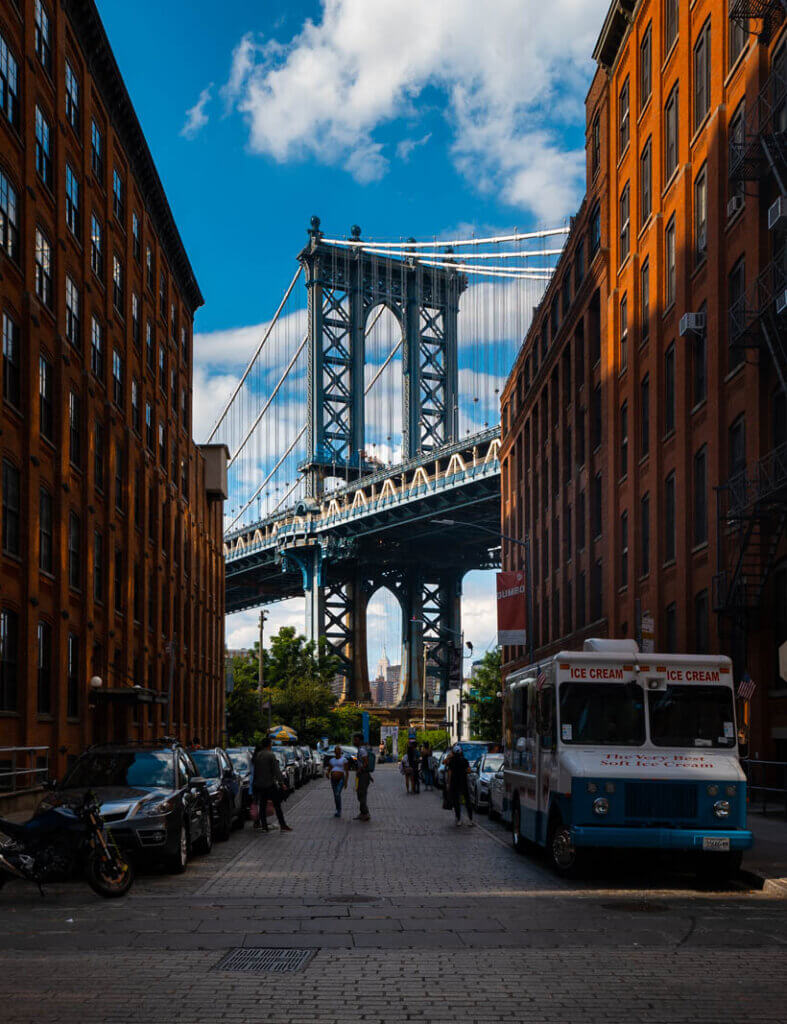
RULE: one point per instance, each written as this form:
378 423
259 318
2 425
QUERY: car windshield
602 714
143 768
473 751
207 763
240 759
492 762
692 716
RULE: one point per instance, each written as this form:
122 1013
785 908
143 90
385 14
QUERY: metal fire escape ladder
770 13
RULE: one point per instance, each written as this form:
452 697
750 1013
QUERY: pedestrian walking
268 785
456 783
414 757
406 770
338 773
363 778
427 769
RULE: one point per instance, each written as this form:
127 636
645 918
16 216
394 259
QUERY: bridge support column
431 618
412 639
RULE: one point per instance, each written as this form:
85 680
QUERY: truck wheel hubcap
563 848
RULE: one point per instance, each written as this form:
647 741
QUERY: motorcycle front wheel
109 879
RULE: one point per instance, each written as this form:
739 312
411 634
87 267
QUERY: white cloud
242 629
196 118
513 76
406 146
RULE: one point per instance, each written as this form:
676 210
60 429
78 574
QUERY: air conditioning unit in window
781 302
691 323
734 205
777 214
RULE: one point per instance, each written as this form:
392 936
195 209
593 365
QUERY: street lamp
512 540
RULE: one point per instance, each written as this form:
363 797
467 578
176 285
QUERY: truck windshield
692 716
602 714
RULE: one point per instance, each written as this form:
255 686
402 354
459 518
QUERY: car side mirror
228 773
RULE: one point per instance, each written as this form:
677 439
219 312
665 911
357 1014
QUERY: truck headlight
609 787
592 787
722 808
601 806
730 791
713 790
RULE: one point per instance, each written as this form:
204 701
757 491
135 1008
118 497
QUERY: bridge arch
384 644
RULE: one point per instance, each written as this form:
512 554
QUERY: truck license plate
715 842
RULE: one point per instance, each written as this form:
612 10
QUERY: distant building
458 731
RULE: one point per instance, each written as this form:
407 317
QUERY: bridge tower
345 287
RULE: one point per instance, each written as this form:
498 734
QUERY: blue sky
408 118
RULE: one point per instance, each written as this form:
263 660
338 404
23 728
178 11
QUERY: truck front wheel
563 855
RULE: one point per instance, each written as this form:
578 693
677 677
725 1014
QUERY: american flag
541 679
746 687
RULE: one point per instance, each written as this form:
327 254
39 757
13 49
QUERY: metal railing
23 769
766 780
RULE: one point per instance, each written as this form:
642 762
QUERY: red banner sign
511 609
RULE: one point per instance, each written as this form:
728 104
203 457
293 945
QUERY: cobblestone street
410 918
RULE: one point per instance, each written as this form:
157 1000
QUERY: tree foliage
486 721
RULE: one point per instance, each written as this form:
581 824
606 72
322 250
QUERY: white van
607 747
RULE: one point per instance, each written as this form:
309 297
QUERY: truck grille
661 801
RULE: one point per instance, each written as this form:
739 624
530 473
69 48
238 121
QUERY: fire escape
752 505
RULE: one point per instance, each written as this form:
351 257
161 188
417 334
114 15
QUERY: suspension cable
436 245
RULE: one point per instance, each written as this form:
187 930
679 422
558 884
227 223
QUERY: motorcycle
55 845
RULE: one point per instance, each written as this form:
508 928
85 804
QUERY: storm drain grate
256 960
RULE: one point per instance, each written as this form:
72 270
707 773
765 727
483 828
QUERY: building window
149 356
579 264
46 418
96 152
173 389
644 416
118 196
565 292
596 512
736 446
45 530
135 408
120 478
595 230
44 668
699 363
9 227
72 201
736 143
645 182
96 246
701 216
72 98
162 446
645 68
74 551
97 348
623 346
98 568
72 676
670 23
43 262
671 129
669 263
596 597
149 434
118 581
42 36
669 389
624 439
737 313
595 417
117 379
117 283
739 34
701 496
135 332
9 83
624 549
162 295
136 247
162 368
644 526
623 118
9 659
702 75
624 223
644 292
184 344
12 362
11 509
671 628
595 146
701 622
149 270
184 478
669 518
99 455
74 429
43 148
173 313
72 313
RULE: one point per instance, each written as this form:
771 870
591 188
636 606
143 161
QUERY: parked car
287 768
481 777
439 778
473 751
241 762
306 757
349 751
154 802
316 763
292 758
497 796
225 789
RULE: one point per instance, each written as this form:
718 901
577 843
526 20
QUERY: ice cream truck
610 747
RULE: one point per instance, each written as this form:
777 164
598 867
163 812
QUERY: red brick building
111 561
644 428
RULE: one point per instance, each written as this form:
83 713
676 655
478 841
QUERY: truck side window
546 718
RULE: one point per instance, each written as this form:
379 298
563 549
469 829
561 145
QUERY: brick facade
644 421
112 545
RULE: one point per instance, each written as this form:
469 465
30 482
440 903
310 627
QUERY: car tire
565 858
179 861
205 842
517 838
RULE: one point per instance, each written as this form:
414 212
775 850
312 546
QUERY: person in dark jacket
414 760
268 783
456 783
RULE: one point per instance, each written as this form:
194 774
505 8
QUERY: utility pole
423 691
261 671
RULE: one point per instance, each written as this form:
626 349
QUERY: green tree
436 738
486 721
297 676
244 717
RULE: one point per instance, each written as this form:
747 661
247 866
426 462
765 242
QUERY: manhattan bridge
364 439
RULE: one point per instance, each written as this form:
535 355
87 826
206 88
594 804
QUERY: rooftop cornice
616 24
